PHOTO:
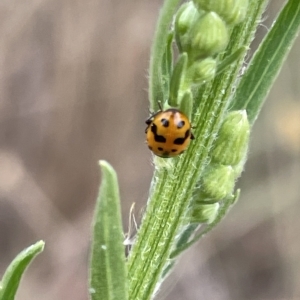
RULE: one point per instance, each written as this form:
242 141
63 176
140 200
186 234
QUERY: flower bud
239 168
232 11
217 182
185 17
204 213
203 70
208 36
232 143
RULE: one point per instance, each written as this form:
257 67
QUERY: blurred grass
73 91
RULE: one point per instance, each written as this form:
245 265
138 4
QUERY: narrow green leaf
176 79
167 65
186 104
108 274
13 275
267 61
186 234
156 91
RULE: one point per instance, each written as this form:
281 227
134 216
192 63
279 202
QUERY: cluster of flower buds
202 31
227 161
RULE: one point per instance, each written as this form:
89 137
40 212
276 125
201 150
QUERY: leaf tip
107 168
40 244
38 247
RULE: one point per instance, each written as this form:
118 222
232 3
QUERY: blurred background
73 90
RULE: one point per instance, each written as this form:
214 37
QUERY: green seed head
217 182
239 168
208 36
203 70
204 213
185 17
233 138
232 11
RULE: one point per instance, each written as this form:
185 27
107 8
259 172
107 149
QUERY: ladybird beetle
168 133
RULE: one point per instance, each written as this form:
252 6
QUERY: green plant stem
172 187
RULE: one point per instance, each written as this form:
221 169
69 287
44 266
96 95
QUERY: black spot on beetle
150 148
180 124
160 149
157 138
165 122
180 141
174 150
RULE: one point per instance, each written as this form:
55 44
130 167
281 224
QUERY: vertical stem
173 185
